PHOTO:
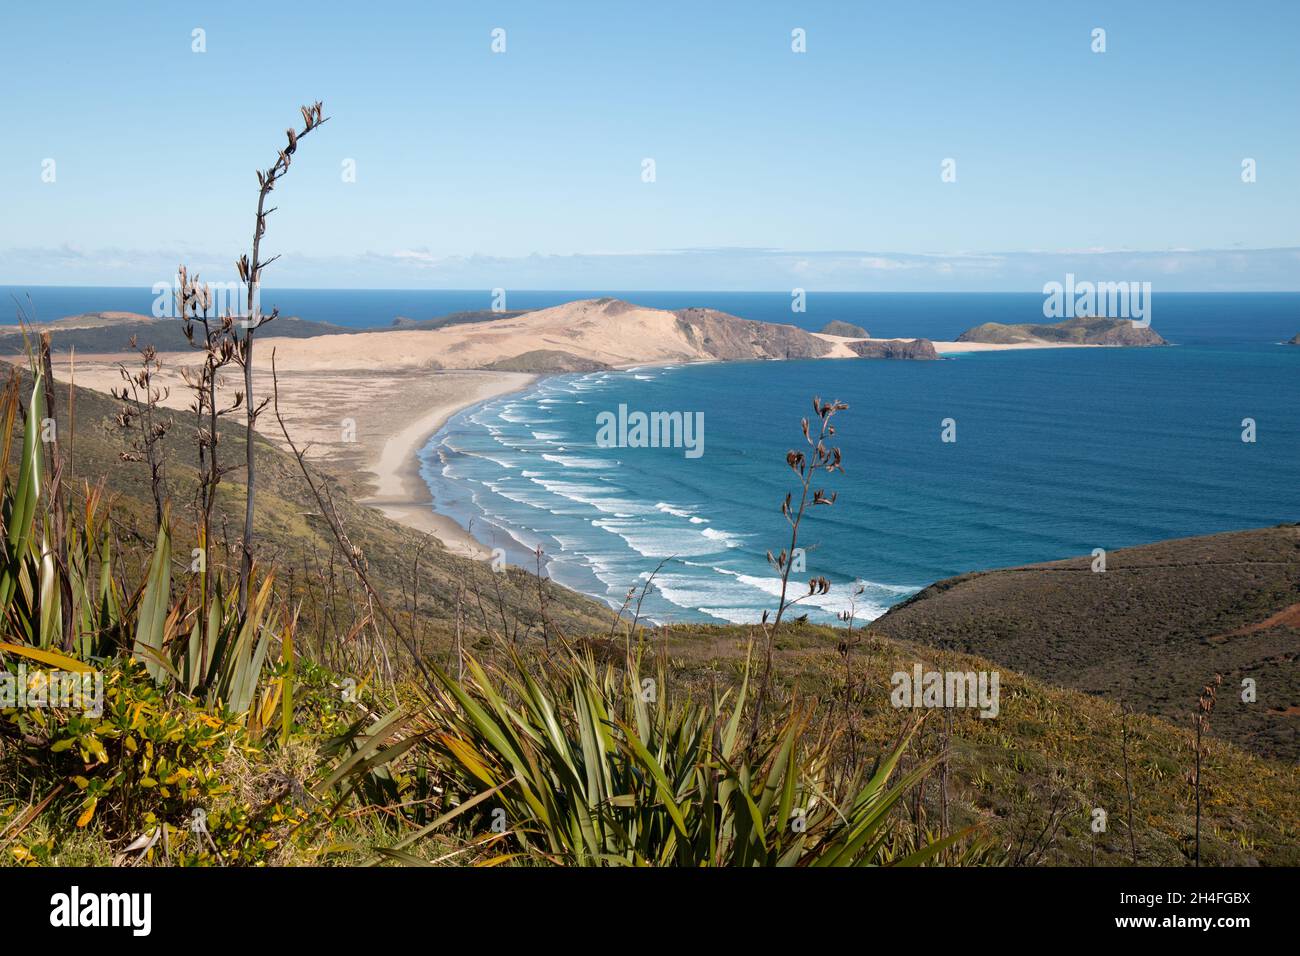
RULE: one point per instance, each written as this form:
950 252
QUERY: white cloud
703 269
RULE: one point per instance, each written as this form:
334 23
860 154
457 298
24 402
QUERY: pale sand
400 491
364 424
842 350
613 334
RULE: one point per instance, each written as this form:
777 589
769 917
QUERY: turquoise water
1058 452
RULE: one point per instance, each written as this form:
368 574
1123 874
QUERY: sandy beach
400 491
360 423
841 346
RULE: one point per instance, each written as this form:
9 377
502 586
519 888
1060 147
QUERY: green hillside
1150 630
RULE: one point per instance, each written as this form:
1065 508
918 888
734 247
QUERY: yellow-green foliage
151 760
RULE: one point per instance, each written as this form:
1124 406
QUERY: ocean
1057 452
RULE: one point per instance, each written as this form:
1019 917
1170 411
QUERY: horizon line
517 289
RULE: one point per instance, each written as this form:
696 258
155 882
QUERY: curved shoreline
401 493
592 582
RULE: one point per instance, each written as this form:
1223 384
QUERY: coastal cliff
912 349
730 338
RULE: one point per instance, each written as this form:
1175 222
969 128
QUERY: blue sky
773 169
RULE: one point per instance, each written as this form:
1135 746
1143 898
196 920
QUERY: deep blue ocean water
1058 452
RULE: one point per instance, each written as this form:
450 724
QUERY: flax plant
575 763
217 344
820 458
164 631
140 397
1200 728
250 274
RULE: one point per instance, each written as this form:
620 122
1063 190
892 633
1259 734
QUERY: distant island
1084 330
845 330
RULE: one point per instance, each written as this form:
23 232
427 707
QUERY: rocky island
1084 330
845 330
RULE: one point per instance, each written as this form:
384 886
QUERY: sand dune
607 331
